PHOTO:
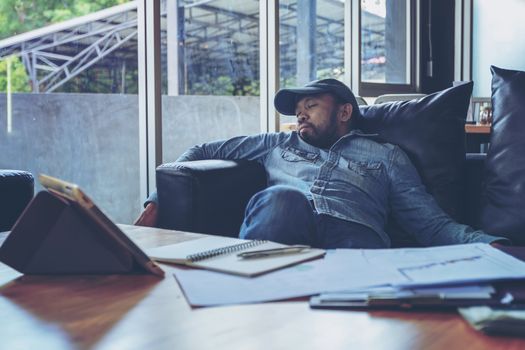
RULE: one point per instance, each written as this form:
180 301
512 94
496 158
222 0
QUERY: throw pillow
431 130
503 202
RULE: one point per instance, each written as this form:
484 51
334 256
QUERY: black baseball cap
286 99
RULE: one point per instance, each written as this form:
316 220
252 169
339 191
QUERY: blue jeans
283 214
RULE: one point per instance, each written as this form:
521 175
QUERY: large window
70 71
210 58
386 43
312 44
68 100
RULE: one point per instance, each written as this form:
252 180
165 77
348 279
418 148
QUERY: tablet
111 232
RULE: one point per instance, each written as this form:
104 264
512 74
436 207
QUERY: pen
271 252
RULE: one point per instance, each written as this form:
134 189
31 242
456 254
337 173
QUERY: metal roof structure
55 54
216 38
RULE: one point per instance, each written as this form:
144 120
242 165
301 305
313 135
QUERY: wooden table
144 312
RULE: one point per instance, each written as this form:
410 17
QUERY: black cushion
16 190
473 187
431 130
503 206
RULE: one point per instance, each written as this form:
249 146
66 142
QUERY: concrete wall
189 120
93 139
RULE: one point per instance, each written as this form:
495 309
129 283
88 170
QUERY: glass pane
385 41
68 97
311 42
210 72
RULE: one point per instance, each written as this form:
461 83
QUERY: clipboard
504 294
62 231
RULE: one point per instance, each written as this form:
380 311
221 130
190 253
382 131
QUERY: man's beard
322 138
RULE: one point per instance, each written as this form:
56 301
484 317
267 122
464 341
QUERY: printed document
323 275
447 264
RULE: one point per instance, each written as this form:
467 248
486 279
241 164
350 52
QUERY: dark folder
55 235
506 295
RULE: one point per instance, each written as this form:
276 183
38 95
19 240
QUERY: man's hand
148 217
499 244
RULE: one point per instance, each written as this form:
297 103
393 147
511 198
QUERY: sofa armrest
207 196
474 173
16 190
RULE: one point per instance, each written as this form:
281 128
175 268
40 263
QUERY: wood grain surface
144 312
477 129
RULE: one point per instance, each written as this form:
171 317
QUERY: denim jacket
357 179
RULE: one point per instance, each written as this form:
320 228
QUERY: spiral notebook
220 254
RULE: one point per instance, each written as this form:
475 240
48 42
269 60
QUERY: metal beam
172 9
85 59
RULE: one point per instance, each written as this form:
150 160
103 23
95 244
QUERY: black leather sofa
16 190
209 196
483 191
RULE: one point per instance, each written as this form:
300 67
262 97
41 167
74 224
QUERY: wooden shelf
477 129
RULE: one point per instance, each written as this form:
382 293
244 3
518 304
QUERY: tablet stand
52 236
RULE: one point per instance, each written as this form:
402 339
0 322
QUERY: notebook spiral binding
224 250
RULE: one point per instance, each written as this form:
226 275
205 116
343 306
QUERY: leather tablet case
52 236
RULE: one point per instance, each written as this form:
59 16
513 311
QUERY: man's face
317 120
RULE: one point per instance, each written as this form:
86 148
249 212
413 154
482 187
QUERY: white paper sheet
337 271
350 269
448 264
